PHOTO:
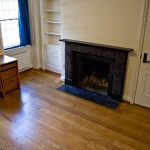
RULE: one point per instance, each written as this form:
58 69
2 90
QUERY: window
9 23
15 25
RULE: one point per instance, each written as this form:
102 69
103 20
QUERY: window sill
17 50
11 48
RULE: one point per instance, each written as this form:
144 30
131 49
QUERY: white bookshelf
52 22
52 11
51 34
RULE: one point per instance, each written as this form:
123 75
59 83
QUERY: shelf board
54 22
52 44
53 33
53 11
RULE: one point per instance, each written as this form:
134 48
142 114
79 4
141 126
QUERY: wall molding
127 98
145 13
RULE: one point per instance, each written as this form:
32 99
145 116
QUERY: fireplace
95 67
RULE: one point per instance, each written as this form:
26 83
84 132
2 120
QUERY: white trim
52 22
52 11
127 98
24 69
42 35
145 13
62 78
53 33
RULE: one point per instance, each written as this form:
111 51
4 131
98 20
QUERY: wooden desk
9 74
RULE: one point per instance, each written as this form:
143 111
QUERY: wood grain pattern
9 74
41 118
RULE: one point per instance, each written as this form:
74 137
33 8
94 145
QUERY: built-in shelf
51 44
52 11
53 33
54 22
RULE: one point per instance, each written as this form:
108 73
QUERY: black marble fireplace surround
78 54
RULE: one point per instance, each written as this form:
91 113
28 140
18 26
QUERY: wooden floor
42 118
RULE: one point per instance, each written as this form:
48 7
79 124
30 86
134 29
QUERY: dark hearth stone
91 96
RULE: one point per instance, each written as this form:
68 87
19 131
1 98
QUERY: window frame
5 20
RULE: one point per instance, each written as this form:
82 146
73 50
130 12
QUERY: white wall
111 22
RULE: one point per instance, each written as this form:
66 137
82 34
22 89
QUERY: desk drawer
10 84
9 73
7 66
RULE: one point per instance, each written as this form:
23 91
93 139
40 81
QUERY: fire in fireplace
95 83
94 76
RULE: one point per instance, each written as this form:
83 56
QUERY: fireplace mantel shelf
97 45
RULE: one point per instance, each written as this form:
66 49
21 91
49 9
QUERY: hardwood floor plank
40 117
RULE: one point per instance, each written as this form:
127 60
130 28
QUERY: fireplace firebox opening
92 75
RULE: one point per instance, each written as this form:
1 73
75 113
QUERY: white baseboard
24 69
127 98
62 78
